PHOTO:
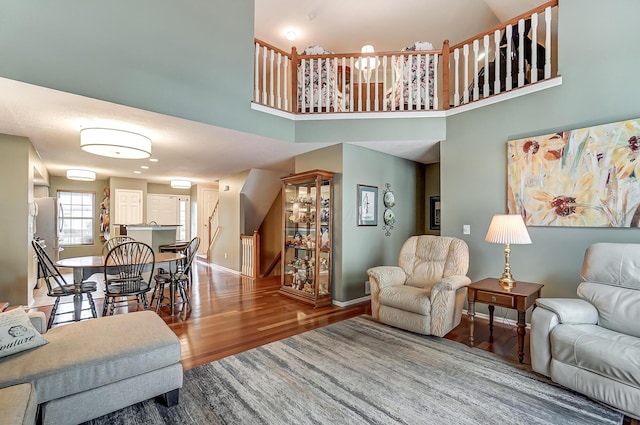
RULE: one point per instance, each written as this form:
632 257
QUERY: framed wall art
367 205
588 177
434 213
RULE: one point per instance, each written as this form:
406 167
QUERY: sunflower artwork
589 177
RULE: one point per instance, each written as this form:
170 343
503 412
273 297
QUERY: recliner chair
426 292
592 344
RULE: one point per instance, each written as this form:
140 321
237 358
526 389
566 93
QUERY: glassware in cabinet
307 236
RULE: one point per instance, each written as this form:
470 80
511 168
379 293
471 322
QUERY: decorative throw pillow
17 333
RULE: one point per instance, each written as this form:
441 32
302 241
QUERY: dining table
87 265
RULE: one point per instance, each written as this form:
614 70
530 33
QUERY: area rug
361 372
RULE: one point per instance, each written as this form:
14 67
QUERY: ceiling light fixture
115 143
180 184
82 175
291 35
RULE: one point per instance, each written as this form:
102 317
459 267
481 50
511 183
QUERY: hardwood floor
232 314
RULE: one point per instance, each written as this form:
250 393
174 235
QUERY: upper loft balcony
511 59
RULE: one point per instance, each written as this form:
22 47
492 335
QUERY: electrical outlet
367 287
466 229
226 255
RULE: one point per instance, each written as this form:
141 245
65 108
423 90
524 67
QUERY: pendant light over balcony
115 143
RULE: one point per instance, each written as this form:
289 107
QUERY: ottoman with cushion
94 367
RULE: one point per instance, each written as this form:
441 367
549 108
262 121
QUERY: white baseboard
496 319
351 302
216 266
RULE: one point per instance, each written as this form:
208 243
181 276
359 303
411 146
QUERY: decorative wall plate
389 199
389 217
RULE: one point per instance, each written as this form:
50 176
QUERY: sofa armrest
38 320
384 276
550 313
570 310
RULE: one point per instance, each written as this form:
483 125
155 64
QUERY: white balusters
465 93
264 75
436 100
456 61
393 81
302 74
534 48
384 81
476 50
521 53
351 81
496 81
485 86
328 86
547 46
279 91
256 83
509 77
271 94
285 73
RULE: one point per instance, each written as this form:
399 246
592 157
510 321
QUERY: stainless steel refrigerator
47 225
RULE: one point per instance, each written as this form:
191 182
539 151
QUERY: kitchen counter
153 235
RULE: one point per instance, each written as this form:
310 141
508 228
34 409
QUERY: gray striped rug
360 372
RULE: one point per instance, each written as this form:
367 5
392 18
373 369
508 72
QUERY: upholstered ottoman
18 405
94 367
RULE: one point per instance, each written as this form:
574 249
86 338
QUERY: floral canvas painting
589 177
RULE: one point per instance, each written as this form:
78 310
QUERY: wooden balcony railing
508 56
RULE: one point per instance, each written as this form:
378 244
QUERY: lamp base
507 281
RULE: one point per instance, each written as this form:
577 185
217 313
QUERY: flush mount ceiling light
291 35
180 184
115 143
82 175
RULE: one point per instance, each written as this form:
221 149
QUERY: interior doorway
171 210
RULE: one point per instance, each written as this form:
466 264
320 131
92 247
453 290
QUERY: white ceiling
53 119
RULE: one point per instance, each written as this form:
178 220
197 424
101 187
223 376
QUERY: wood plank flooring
232 314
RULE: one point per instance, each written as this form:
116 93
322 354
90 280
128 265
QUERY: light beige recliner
592 344
425 293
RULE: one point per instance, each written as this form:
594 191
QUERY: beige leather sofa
94 367
592 344
426 292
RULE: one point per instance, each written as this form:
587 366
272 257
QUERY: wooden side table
520 298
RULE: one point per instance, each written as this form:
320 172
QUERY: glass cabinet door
307 239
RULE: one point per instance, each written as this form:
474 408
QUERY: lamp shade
82 175
367 64
507 229
180 184
115 143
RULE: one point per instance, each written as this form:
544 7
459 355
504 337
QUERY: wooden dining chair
125 267
115 241
180 279
58 287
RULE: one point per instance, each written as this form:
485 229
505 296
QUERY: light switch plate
466 229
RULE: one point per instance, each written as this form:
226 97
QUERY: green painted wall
226 251
598 73
192 60
356 248
18 161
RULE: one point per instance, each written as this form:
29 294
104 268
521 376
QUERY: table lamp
507 229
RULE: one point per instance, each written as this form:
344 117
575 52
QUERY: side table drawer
495 299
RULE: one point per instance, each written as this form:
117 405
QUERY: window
77 217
